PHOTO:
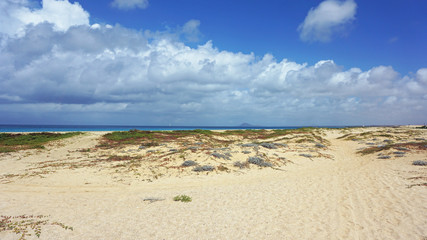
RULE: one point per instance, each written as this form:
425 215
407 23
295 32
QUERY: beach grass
154 138
14 142
409 145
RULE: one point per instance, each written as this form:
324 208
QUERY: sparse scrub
419 163
249 145
225 156
398 146
241 165
319 145
268 145
205 168
259 161
22 224
14 142
189 163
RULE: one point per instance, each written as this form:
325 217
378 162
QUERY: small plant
182 198
225 156
259 161
241 165
189 163
268 145
419 163
205 168
22 224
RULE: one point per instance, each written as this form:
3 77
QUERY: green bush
182 198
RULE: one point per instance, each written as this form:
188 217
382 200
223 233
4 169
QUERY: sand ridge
335 194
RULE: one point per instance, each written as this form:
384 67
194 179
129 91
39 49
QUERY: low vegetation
211 138
419 163
182 198
27 225
149 155
410 145
10 142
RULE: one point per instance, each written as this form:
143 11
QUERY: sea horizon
85 128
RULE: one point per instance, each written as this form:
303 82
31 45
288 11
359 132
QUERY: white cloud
191 30
329 18
62 14
421 75
129 4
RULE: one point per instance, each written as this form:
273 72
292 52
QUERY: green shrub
182 198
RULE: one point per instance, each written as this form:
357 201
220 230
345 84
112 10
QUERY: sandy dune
336 194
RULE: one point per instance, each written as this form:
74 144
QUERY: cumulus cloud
129 4
111 74
326 20
191 30
422 75
17 14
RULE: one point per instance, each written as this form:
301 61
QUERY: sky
213 63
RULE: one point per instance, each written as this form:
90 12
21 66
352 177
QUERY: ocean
82 128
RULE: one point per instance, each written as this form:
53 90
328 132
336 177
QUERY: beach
351 183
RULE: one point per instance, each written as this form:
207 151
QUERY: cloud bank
15 15
326 20
129 4
113 75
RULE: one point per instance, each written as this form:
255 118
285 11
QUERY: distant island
246 125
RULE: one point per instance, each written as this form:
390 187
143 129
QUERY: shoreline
215 129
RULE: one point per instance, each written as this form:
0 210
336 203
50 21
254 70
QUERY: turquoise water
74 128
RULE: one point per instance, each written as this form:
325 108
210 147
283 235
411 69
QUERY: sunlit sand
355 183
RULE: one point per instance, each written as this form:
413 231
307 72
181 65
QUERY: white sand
348 197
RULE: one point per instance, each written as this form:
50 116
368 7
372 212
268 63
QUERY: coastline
11 128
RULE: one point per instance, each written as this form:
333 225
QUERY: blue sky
382 33
192 62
